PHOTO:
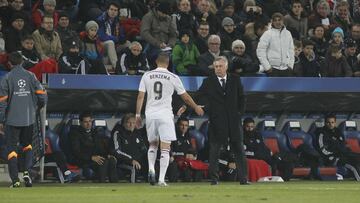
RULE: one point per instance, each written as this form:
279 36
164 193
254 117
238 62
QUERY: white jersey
160 84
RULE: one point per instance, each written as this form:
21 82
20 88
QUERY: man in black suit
222 95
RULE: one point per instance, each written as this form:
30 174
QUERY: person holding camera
251 12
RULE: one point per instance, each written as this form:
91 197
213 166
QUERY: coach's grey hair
221 58
214 37
135 43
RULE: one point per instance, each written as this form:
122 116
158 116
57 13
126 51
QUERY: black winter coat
223 108
87 144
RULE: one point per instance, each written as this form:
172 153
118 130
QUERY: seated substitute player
159 84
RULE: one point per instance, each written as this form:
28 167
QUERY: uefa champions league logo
21 83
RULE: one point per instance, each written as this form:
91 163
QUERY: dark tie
223 83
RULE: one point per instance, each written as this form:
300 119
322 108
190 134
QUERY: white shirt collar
219 78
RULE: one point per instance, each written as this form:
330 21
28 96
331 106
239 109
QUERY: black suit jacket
204 61
223 108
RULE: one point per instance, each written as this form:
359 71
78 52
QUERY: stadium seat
277 142
199 138
65 144
351 135
204 129
101 125
273 139
52 145
296 137
317 124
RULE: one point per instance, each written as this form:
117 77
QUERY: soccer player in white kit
159 84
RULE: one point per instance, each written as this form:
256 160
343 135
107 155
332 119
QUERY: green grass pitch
289 192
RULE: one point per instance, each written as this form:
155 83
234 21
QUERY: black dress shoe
214 182
244 182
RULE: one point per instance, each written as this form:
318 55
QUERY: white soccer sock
152 153
164 163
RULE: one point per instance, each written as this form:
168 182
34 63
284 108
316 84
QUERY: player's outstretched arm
139 103
189 101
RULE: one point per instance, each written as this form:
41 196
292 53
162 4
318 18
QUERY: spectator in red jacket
49 10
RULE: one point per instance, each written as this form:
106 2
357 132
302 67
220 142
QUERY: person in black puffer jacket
129 146
132 61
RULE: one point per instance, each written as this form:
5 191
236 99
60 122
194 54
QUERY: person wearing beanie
158 30
91 48
275 50
91 25
350 53
228 10
14 7
185 54
66 33
49 10
71 62
15 33
228 33
337 37
241 63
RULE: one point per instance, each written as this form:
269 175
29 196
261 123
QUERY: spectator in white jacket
275 50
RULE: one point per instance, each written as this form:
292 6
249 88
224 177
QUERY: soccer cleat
27 179
245 182
214 182
162 184
15 184
151 178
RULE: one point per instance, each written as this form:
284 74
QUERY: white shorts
160 128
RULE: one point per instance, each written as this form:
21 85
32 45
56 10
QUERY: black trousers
281 73
240 160
14 136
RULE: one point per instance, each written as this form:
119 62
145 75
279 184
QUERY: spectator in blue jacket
111 34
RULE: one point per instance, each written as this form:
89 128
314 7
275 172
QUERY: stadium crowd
277 37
